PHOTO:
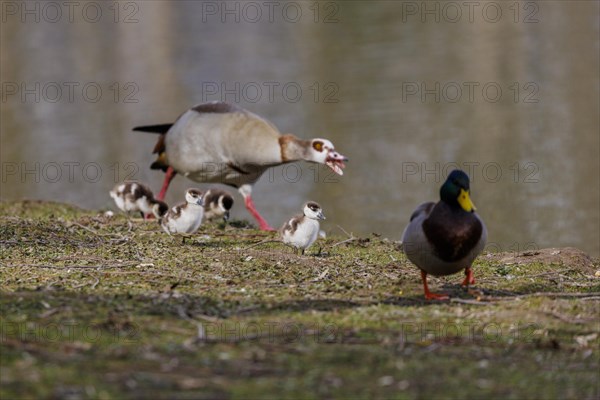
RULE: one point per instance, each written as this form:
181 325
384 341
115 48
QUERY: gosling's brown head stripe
313 206
195 192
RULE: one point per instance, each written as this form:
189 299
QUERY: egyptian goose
185 217
444 238
302 231
133 196
221 143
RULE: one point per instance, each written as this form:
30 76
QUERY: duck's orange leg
428 294
469 280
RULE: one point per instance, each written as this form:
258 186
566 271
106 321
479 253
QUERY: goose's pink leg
169 175
264 225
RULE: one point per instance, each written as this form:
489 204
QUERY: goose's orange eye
318 146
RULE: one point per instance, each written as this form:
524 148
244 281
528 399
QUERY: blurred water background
508 91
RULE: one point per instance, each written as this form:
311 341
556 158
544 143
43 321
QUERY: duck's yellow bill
465 201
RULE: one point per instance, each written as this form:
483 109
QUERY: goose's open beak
335 161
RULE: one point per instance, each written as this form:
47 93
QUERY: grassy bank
95 307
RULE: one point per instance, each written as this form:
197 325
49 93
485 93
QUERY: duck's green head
455 191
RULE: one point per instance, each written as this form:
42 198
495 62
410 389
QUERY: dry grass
95 308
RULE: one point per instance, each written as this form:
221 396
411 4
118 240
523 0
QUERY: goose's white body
213 147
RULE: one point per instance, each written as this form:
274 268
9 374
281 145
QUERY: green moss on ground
96 307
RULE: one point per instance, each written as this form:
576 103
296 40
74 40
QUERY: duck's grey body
452 253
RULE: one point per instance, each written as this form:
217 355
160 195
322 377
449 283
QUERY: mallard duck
221 143
444 238
301 231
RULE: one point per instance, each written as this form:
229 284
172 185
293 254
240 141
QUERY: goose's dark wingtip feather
161 128
159 165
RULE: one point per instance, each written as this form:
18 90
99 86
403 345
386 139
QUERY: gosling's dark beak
226 216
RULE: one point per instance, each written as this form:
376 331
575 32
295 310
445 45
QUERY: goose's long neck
293 149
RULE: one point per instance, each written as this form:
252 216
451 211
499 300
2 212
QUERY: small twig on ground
263 242
95 283
351 237
583 296
564 318
345 231
94 232
342 242
321 276
70 266
558 294
86 283
238 235
580 285
591 298
85 227
476 302
550 273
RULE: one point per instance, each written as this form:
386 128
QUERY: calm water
507 91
